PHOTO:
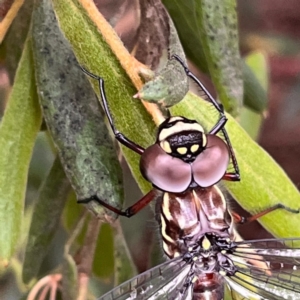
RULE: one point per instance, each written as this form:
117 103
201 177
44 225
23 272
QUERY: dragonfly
197 228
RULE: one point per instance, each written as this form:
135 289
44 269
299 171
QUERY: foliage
46 75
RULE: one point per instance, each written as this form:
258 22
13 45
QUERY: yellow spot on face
194 148
195 279
165 145
195 258
223 252
223 273
182 150
206 243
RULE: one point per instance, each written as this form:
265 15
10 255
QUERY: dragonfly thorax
186 218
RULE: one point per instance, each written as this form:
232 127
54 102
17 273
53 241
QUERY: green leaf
93 53
45 219
256 70
124 267
251 119
170 84
263 182
191 32
217 28
255 95
73 115
103 265
18 130
185 19
257 62
214 24
251 122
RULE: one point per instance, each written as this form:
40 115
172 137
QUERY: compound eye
210 165
164 171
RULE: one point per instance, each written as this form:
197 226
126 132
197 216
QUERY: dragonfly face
184 156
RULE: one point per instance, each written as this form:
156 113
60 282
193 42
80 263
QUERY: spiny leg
231 176
128 212
118 135
244 220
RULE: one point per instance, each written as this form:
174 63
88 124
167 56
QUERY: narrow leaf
251 119
263 182
73 115
93 53
131 66
215 24
45 219
103 265
217 21
18 130
255 69
187 23
124 267
257 62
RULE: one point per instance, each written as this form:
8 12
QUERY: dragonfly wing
267 269
165 281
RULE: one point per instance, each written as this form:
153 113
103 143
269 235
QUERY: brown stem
9 17
86 256
132 66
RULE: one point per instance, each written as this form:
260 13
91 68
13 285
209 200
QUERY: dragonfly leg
244 220
234 176
128 212
118 135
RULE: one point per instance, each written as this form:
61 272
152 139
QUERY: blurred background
273 27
